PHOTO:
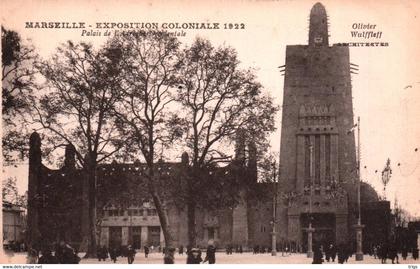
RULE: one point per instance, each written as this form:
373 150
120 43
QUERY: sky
386 92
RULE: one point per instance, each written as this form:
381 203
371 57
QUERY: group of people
386 251
230 248
63 253
341 252
114 252
194 255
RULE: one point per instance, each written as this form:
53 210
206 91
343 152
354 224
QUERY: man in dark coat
194 256
131 252
328 253
415 253
47 257
66 254
181 250
146 251
341 253
404 253
211 254
318 257
333 252
393 254
113 251
102 253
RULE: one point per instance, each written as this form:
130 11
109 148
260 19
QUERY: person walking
113 253
210 253
333 252
102 253
181 250
66 254
415 253
131 253
47 257
404 253
318 257
328 253
146 251
341 254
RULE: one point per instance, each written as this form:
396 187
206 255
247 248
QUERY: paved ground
245 258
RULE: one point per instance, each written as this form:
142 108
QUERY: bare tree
219 99
151 60
75 106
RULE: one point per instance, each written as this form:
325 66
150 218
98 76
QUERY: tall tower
315 147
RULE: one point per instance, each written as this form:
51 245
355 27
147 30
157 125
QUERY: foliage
18 76
10 193
219 100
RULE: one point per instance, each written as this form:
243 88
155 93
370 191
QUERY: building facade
317 182
317 155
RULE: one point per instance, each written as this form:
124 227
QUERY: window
151 212
211 233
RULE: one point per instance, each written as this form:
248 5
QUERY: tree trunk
191 205
192 240
164 221
91 233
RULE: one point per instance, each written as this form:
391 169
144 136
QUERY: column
334 157
322 163
312 142
300 163
104 240
125 235
144 235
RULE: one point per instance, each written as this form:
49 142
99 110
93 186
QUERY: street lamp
273 222
359 227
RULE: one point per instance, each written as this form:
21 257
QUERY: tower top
318 26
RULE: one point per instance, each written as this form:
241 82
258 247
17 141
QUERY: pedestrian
210 253
131 252
102 253
341 254
393 254
47 257
181 250
347 253
66 254
333 252
318 257
415 253
113 253
146 251
404 253
194 256
328 253
375 252
33 255
384 253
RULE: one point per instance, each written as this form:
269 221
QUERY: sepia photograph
210 132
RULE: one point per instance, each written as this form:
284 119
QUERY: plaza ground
245 258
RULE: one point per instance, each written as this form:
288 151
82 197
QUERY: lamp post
358 226
310 229
273 223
